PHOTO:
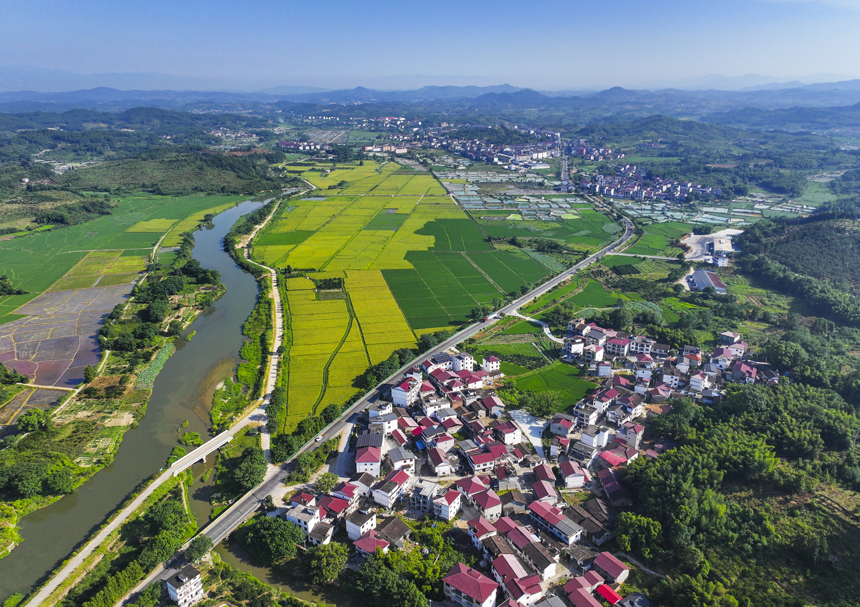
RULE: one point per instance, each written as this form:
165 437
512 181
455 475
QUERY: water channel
183 391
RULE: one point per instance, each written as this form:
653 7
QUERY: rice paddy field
658 238
560 377
110 249
589 231
412 262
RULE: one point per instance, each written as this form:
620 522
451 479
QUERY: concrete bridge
200 453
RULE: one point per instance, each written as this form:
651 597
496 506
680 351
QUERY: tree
90 373
331 413
636 532
198 548
273 540
174 328
380 585
541 404
326 482
324 563
251 469
32 420
60 482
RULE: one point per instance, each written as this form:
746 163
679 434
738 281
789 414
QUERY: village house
611 568
574 475
390 489
369 542
406 392
469 588
186 587
562 424
555 522
368 460
358 523
447 505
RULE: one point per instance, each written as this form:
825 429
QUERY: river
182 392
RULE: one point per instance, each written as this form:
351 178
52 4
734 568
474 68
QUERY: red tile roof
525 586
487 499
609 594
581 598
505 525
472 583
543 489
544 472
366 455
480 526
399 437
611 565
370 541
509 567
437 456
335 504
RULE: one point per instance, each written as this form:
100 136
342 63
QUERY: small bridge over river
201 452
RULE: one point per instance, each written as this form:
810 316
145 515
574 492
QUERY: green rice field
559 377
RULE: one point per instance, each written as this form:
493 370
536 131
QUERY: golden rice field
331 232
102 268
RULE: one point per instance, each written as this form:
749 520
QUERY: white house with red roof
631 434
406 392
507 567
369 460
525 590
544 492
494 405
592 353
387 491
491 364
574 475
611 568
488 504
369 542
447 505
302 499
743 373
439 461
336 508
480 529
469 588
562 424
471 486
552 519
346 491
617 347
445 442
509 432
482 461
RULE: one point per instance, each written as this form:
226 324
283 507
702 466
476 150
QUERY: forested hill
828 249
795 118
659 128
145 118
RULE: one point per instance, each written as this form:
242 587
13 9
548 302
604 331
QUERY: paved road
547 331
647 256
245 506
258 415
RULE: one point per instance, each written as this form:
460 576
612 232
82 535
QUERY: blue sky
546 44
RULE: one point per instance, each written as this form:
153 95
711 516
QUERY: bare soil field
58 339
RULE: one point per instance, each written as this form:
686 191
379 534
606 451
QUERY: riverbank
52 533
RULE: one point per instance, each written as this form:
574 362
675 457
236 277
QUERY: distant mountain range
753 107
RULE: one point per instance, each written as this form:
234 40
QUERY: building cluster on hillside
440 443
520 156
638 373
634 182
579 147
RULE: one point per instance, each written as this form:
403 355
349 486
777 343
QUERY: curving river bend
183 391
